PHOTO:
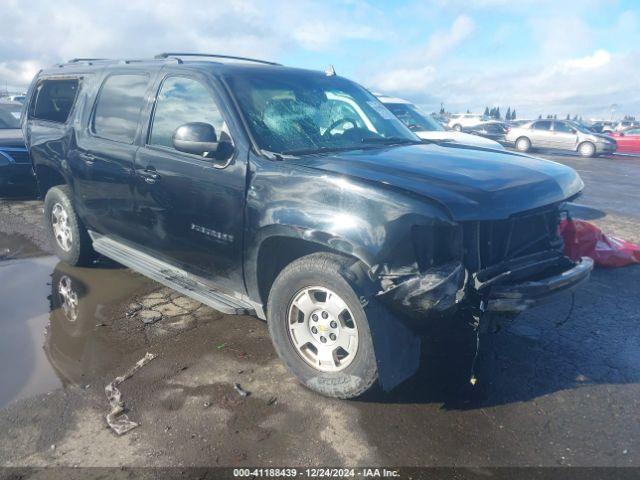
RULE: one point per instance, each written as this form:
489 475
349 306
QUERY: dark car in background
602 126
492 130
516 123
16 174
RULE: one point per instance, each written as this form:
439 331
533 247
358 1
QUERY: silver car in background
559 135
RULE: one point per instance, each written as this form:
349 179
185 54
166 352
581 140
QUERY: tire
587 149
346 377
67 308
523 144
457 127
70 240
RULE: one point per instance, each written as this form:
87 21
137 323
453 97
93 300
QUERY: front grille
18 156
491 242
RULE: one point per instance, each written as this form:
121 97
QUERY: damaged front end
433 283
518 263
503 266
510 264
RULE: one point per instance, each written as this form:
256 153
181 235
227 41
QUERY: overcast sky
545 56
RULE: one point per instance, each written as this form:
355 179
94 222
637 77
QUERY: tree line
494 112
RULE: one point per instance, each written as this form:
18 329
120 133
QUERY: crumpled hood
471 183
604 136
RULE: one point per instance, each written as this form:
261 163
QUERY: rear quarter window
53 100
542 125
120 102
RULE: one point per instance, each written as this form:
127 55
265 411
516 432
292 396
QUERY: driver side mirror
197 138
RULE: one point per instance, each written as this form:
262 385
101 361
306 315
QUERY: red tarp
582 239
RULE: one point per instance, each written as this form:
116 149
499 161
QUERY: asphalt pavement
558 386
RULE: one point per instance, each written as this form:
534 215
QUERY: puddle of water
23 317
49 314
16 246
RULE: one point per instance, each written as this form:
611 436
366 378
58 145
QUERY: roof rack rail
78 60
211 55
127 61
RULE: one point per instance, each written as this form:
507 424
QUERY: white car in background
427 128
13 98
458 121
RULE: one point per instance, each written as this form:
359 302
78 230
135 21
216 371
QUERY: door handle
88 158
150 175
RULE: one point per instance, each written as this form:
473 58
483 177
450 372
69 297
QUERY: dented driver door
190 208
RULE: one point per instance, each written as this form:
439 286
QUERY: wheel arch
281 245
48 177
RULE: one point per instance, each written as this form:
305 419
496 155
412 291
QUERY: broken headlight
436 244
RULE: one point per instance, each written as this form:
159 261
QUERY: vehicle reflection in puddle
83 303
49 317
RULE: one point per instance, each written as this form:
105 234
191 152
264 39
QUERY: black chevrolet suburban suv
295 196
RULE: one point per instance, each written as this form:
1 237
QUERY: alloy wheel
523 145
61 227
322 329
586 150
68 298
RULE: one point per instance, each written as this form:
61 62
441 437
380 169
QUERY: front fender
369 222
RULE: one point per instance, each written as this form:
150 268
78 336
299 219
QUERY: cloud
406 76
41 32
442 43
560 35
599 59
541 56
18 73
409 80
586 85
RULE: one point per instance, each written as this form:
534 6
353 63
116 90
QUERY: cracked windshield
310 113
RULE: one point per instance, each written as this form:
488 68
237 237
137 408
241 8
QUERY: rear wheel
523 144
319 328
67 234
587 149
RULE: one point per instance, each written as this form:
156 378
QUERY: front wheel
67 234
319 328
523 144
587 149
457 127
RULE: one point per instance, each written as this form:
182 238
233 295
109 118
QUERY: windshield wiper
276 156
389 140
325 149
311 151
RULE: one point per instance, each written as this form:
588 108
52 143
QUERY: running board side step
171 276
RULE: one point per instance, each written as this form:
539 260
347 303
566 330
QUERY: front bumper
605 148
522 284
513 298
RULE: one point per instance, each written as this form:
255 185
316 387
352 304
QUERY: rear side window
53 100
119 105
542 125
562 127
